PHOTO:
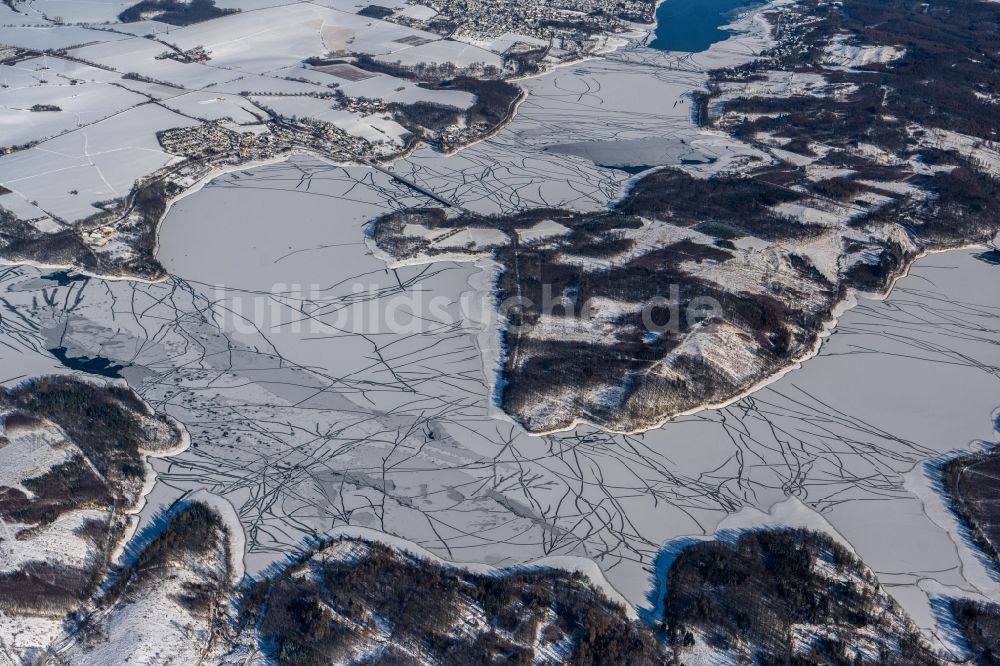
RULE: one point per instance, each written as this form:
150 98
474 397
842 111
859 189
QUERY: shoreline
852 448
936 506
489 267
558 565
841 307
612 43
490 347
134 513
218 172
492 353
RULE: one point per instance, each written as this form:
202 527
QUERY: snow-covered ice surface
579 121
308 413
305 428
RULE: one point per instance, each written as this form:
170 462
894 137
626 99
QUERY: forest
749 593
175 12
322 610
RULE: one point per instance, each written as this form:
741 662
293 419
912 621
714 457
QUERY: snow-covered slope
72 472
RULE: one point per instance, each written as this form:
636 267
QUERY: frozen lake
323 391
900 382
306 430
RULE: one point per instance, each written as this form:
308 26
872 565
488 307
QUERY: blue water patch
990 257
693 25
95 365
65 278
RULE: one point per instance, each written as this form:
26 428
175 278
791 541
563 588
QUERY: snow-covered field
94 163
88 116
